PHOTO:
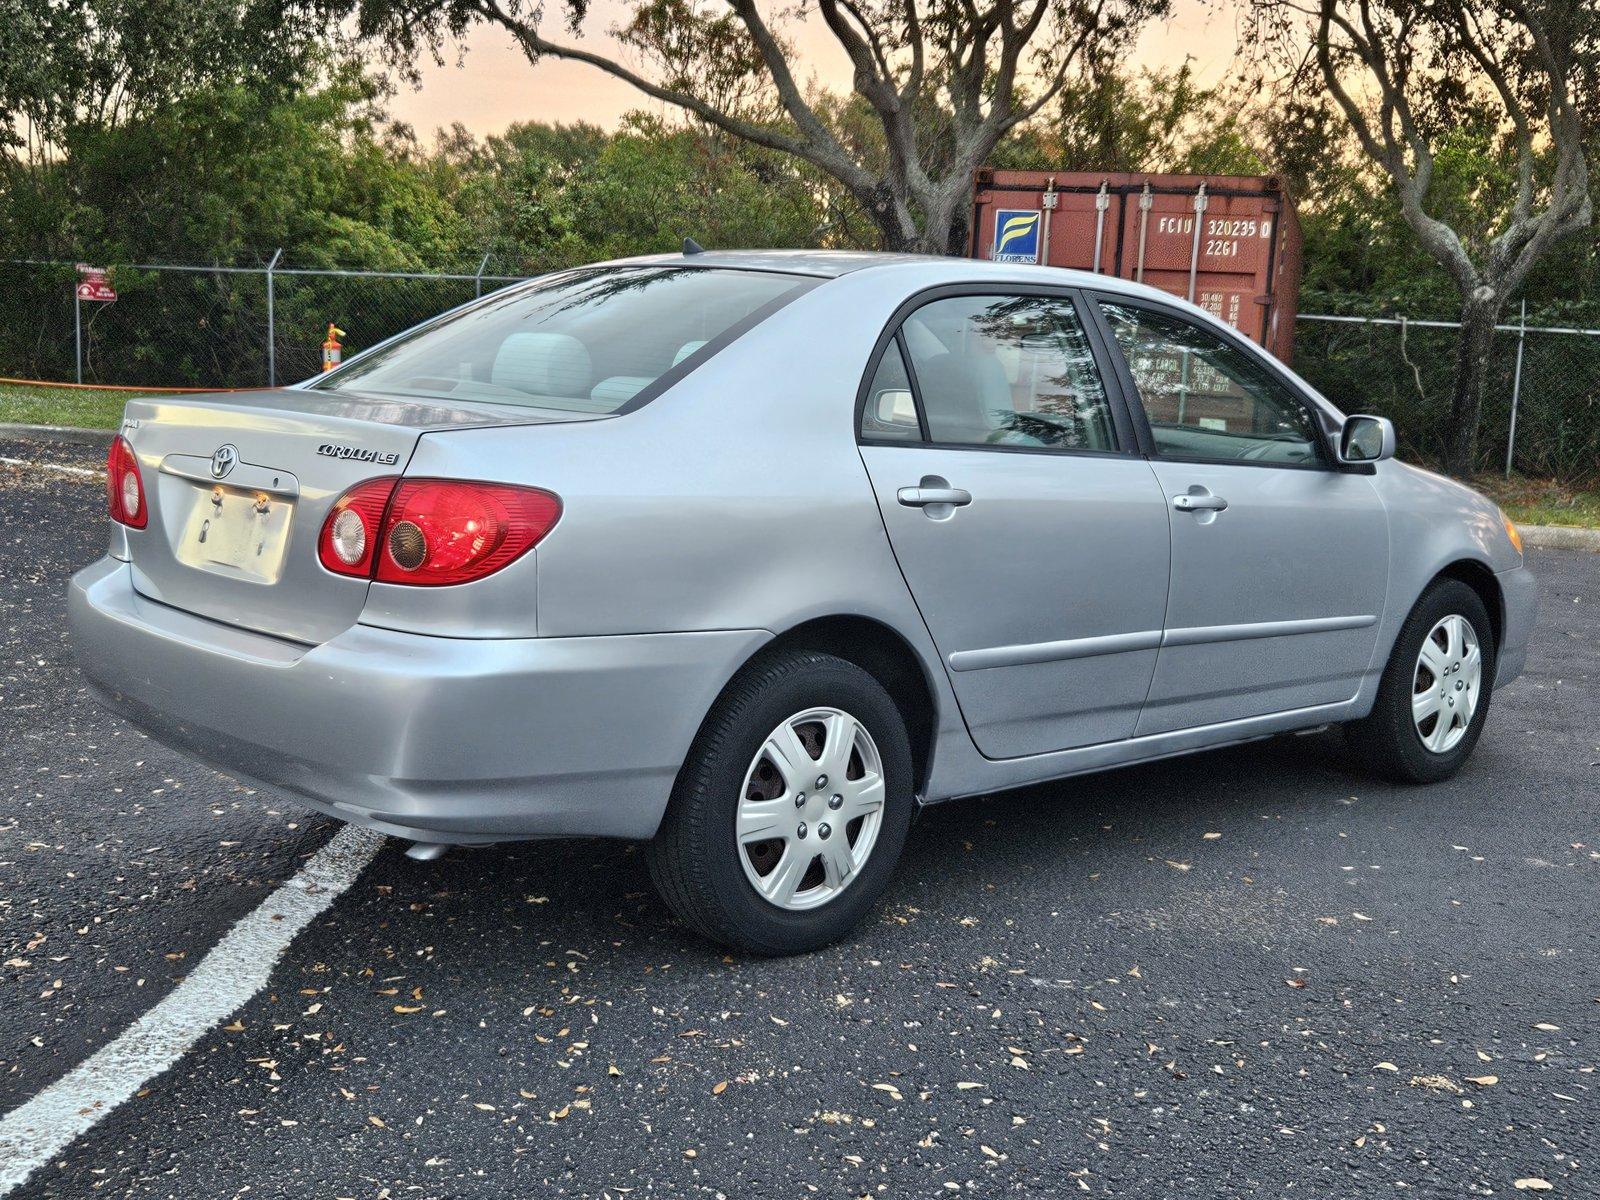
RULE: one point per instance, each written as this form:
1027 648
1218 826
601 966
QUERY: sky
494 85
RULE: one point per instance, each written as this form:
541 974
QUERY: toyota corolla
750 554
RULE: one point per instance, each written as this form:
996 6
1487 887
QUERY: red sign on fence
93 284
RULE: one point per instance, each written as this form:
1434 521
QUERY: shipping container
1229 243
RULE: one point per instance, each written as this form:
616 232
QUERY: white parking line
234 971
66 470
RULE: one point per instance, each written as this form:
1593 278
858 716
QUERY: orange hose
112 387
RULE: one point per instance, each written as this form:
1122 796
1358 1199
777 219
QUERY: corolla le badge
222 461
358 453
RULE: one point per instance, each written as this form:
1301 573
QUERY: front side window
1205 398
586 341
1007 371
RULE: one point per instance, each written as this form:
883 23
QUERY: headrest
619 389
687 349
543 364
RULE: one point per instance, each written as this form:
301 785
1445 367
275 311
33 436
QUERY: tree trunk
1479 315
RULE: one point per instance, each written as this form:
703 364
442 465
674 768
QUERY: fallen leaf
720 1088
1546 1027
966 1085
408 1008
1386 1066
1483 1080
1533 1184
1210 837
376 1120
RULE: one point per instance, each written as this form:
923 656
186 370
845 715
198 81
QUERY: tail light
124 487
350 533
433 532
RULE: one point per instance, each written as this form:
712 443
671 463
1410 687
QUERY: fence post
272 332
77 330
1516 388
477 280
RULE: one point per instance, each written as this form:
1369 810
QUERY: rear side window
586 341
1007 371
891 409
1206 399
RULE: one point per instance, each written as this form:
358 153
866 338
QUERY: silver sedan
750 554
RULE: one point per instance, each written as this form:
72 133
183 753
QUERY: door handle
921 497
1201 502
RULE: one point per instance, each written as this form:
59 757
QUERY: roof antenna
690 246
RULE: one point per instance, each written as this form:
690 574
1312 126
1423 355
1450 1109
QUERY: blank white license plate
234 532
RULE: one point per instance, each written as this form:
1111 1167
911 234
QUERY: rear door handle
1204 502
921 497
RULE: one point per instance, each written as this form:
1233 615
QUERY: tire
1390 739
709 877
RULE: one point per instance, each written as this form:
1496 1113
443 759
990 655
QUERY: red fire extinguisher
331 349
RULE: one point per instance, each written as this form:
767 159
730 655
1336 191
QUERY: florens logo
1016 236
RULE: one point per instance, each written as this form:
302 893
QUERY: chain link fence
1541 407
210 326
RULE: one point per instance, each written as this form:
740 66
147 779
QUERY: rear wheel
791 809
1434 695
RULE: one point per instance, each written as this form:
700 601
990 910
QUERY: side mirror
1366 440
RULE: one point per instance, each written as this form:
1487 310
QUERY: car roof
831 264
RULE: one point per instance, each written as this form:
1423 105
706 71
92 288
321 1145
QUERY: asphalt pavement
1251 972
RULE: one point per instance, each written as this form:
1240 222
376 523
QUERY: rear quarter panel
735 500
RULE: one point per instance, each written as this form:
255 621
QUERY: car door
1279 557
1032 535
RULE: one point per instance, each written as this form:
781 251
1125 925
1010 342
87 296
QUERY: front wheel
792 807
1434 695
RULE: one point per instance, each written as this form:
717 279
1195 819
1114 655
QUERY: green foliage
233 171
1149 121
539 197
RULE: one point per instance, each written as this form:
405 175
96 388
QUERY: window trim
1123 426
1328 461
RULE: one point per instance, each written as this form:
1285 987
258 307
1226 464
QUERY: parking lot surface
1255 971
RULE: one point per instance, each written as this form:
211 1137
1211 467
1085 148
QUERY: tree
944 81
540 197
1117 119
1421 80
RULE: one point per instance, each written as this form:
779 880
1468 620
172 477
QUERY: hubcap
1445 688
811 809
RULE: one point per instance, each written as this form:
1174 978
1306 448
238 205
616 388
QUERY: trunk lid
238 485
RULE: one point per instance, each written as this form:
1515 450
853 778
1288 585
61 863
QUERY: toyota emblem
222 461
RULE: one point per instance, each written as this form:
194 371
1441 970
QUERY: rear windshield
586 341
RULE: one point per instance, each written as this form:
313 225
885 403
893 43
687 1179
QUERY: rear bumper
1519 592
437 739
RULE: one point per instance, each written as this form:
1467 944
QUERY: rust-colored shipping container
1229 243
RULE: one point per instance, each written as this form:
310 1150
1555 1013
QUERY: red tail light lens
443 531
124 487
351 531
433 532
